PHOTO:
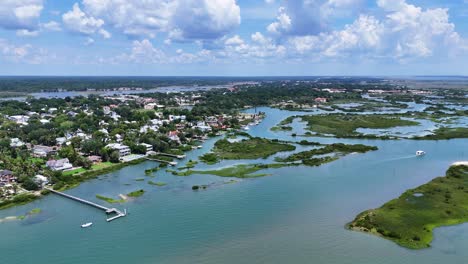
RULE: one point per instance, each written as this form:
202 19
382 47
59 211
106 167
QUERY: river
296 215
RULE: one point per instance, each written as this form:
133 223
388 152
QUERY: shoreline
87 175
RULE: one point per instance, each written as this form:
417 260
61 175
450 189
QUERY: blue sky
237 38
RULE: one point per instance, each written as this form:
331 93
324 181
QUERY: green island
149 172
159 184
237 171
190 164
136 193
337 148
133 194
345 125
445 133
252 148
31 213
410 219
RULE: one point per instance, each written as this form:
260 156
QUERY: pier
108 211
172 163
171 155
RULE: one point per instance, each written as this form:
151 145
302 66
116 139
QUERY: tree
30 185
114 157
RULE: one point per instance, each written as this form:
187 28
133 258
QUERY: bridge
108 211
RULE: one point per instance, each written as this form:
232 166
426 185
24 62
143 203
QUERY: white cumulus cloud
79 22
20 14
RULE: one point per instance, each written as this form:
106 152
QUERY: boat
87 225
420 153
246 128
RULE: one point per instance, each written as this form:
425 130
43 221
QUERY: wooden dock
117 213
172 163
171 155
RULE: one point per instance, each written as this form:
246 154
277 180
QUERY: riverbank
72 181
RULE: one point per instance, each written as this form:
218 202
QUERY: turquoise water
297 215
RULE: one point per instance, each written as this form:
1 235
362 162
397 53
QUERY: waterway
296 215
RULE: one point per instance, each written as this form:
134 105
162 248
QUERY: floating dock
109 211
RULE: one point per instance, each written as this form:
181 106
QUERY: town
61 142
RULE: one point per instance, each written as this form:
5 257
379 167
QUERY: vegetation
444 133
191 164
342 125
136 193
160 184
152 170
241 171
18 200
209 158
252 148
410 219
109 200
328 149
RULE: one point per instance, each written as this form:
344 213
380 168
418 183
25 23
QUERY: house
52 110
320 100
59 165
106 110
6 177
19 119
16 143
202 127
41 180
148 147
43 151
123 149
61 141
95 159
150 106
174 136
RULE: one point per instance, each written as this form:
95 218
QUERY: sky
233 37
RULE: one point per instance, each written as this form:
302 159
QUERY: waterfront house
148 147
95 159
59 165
122 149
41 180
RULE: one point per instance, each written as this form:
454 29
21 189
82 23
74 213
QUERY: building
148 147
320 100
123 149
6 177
95 159
16 143
41 180
59 165
43 151
174 136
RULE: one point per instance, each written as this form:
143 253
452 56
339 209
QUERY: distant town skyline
233 38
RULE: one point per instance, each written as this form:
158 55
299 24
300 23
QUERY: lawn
410 219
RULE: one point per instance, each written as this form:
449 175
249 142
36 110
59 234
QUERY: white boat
420 153
246 128
87 225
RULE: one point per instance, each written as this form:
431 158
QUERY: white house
59 165
147 146
41 180
123 149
